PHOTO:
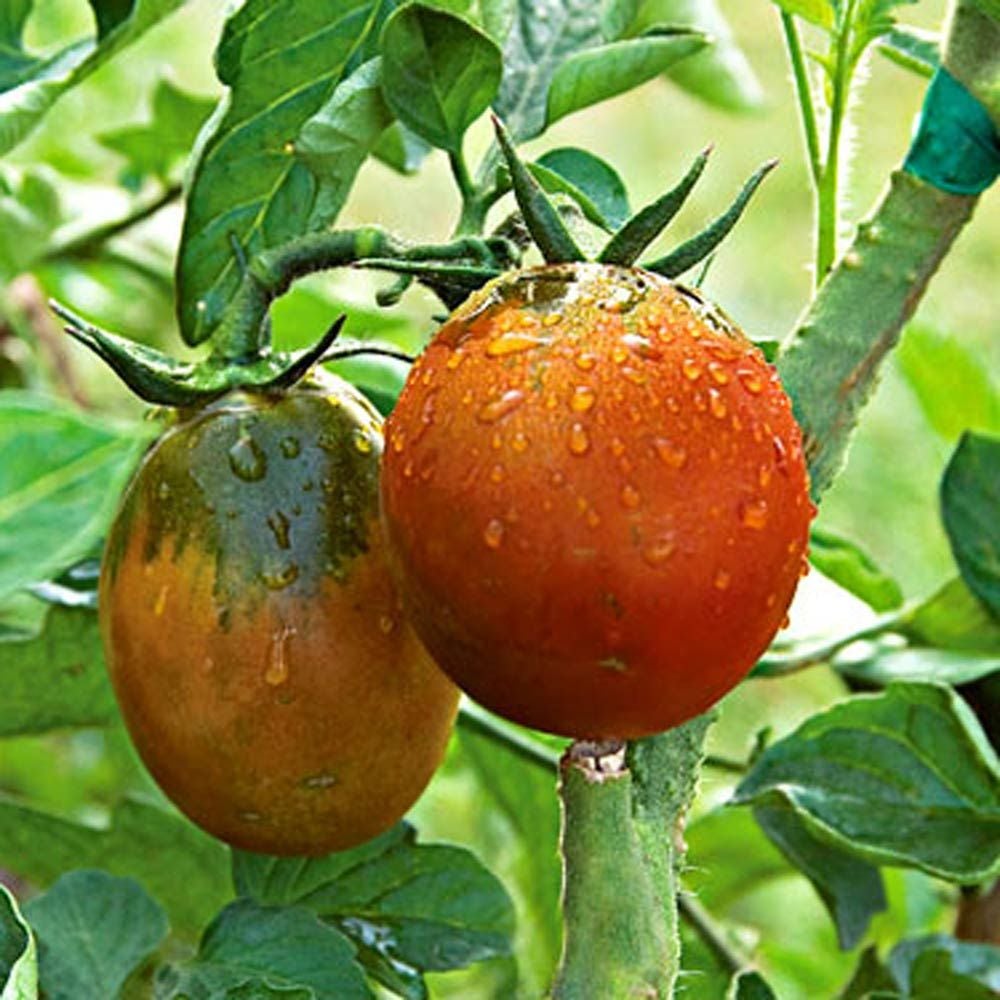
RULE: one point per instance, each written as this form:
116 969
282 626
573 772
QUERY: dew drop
585 362
454 360
552 319
362 442
753 513
780 455
558 479
641 346
751 382
499 407
785 622
722 580
629 496
493 534
164 491
583 399
579 443
161 601
386 624
247 460
592 517
319 781
496 442
619 355
290 447
719 373
277 658
634 376
673 454
672 405
519 442
512 343
398 441
278 524
772 599
700 403
717 404
691 369
497 474
617 447
283 576
657 551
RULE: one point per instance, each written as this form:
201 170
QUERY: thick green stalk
830 365
623 817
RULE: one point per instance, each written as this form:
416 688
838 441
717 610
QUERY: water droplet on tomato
583 399
617 447
161 601
579 443
497 474
672 454
386 624
630 496
691 369
751 381
246 459
280 577
290 447
764 475
278 524
753 513
780 455
493 533
500 407
658 550
277 657
362 442
318 782
519 442
722 580
717 404
585 362
512 343
719 373
164 491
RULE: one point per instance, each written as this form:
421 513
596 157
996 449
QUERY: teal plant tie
956 147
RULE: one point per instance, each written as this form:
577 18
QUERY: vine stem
803 93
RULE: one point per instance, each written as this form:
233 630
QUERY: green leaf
970 500
338 138
979 962
24 106
953 618
870 977
282 60
18 957
933 977
181 867
951 381
157 146
61 474
873 664
93 930
818 12
844 562
401 149
904 778
439 73
594 75
913 49
429 907
109 14
255 952
534 50
851 889
30 209
719 74
593 184
56 678
750 986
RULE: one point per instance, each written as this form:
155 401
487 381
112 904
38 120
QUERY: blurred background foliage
73 173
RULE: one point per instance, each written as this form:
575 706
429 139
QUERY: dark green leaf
181 867
46 80
427 906
595 74
977 961
912 49
849 566
874 664
617 16
869 977
750 986
61 474
970 500
439 72
851 889
283 60
637 233
904 778
401 149
56 678
18 958
592 183
338 138
933 977
109 14
534 50
720 73
93 930
819 12
951 381
872 19
953 618
157 146
281 951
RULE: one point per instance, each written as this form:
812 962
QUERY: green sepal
159 379
699 247
451 283
638 232
540 215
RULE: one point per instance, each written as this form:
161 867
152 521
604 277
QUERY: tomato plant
592 506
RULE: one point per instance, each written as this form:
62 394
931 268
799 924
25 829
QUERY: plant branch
803 93
728 955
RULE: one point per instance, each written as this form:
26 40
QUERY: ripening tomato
253 634
596 501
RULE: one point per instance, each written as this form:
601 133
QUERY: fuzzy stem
803 93
623 817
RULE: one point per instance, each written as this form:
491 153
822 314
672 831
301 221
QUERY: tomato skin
253 635
595 499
